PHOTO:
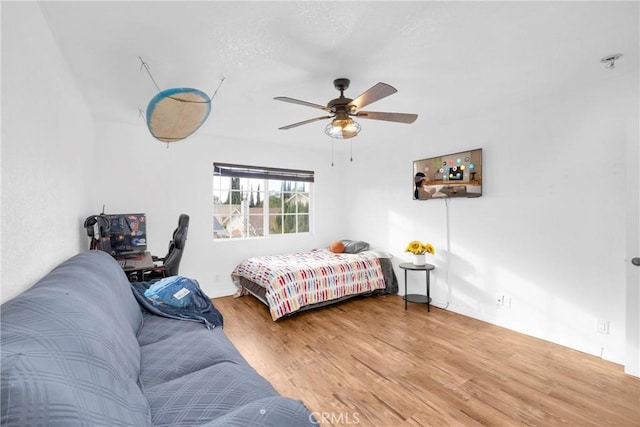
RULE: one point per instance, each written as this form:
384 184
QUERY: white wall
47 133
632 362
144 175
548 231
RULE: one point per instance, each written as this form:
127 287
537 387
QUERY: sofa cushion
72 348
192 375
270 411
163 344
98 281
207 394
60 388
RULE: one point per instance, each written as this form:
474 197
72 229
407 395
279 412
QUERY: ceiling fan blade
305 122
299 102
373 94
390 117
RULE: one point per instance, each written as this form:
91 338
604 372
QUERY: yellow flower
417 247
429 249
414 247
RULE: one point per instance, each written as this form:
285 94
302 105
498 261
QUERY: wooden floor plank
368 362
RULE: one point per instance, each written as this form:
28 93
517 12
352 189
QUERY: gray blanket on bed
389 276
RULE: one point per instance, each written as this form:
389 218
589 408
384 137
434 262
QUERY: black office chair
169 265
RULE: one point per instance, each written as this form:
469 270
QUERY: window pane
221 187
219 231
236 226
275 200
303 223
256 225
256 195
275 224
290 224
302 202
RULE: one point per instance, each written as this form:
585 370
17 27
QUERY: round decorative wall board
174 114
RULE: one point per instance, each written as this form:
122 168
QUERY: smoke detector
610 61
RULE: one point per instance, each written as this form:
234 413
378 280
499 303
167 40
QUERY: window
252 201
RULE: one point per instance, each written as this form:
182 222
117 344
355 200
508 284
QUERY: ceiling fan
342 110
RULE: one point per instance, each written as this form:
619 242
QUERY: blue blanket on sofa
198 308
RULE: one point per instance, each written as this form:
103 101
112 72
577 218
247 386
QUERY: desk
417 298
138 265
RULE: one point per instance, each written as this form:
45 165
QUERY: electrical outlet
503 301
603 327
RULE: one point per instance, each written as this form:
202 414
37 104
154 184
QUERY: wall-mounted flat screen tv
448 176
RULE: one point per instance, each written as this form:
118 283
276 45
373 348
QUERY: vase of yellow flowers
419 249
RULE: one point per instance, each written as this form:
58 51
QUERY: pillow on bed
354 246
336 247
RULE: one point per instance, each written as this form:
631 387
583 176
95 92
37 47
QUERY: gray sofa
78 350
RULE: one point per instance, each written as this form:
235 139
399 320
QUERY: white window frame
230 226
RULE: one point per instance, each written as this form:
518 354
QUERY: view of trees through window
257 207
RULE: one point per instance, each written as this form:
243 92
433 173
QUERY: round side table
417 298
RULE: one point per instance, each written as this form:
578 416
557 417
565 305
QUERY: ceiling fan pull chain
351 150
332 142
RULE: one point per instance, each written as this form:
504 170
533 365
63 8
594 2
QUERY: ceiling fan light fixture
342 128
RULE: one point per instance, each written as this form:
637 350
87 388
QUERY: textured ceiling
447 59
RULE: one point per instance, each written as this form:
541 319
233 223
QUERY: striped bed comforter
295 280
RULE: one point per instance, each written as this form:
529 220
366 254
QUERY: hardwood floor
367 362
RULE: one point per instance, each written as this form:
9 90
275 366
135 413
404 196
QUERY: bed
295 282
